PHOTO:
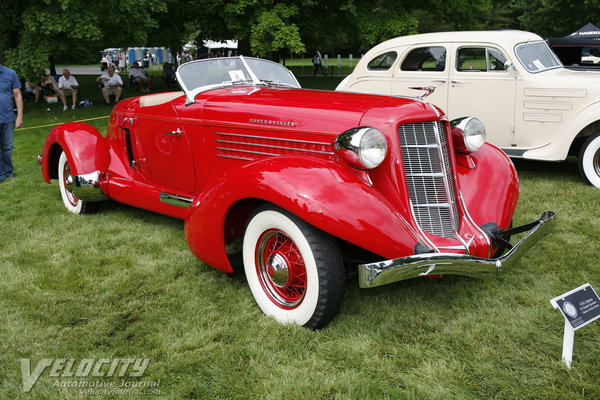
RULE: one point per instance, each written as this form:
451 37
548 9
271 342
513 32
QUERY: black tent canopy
580 49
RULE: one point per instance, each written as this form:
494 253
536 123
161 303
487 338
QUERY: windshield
537 57
201 75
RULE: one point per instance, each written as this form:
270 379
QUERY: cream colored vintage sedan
532 107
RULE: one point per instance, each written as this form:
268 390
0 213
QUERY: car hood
307 110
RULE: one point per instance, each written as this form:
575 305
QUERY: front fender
84 146
489 186
324 194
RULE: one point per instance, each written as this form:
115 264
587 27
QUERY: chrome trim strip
248 151
449 190
175 200
273 138
275 147
389 271
487 239
87 188
235 158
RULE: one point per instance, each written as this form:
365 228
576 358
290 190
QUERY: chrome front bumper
384 272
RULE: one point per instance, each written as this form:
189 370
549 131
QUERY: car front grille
428 169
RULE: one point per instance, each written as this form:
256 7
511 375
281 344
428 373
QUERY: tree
37 29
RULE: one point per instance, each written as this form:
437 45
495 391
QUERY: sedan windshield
201 75
537 57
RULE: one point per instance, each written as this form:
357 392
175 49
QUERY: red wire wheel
280 269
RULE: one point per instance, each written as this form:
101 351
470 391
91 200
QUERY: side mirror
508 65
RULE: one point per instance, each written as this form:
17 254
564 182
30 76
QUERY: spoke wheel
295 271
280 268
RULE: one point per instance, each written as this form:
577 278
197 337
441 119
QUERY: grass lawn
122 284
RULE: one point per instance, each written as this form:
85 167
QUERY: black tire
295 271
589 160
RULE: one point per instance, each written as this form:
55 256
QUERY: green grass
122 284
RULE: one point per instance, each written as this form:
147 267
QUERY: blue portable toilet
159 55
131 56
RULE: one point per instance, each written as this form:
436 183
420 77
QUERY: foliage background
74 31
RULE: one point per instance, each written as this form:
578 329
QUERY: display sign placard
579 306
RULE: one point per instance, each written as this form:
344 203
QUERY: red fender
84 146
330 197
496 173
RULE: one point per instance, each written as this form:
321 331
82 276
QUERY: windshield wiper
278 83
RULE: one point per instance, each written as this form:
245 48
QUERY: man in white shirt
67 85
113 84
140 76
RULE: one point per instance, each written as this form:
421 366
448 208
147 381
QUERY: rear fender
322 193
84 146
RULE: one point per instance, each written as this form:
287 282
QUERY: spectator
317 63
9 87
168 75
67 85
48 82
113 84
33 89
140 76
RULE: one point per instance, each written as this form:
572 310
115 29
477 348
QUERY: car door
162 150
423 66
481 86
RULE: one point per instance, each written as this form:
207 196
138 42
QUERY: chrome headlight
362 148
468 134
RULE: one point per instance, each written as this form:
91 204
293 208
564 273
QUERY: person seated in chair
48 82
140 76
34 89
113 84
168 75
68 85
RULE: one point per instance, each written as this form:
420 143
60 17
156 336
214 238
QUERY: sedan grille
426 159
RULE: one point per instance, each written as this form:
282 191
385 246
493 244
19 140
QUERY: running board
175 200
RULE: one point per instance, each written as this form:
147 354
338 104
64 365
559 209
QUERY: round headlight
468 134
362 148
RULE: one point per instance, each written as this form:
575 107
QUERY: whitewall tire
295 271
589 160
65 183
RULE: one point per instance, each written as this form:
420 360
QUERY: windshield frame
519 46
192 92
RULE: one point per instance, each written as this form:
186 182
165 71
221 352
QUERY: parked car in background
310 182
532 107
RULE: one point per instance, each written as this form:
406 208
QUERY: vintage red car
308 182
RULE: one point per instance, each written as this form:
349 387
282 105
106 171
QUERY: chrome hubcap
278 270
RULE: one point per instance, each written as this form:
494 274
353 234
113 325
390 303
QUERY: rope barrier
58 123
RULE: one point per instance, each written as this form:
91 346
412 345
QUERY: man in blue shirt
9 87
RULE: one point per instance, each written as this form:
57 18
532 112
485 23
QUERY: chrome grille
426 159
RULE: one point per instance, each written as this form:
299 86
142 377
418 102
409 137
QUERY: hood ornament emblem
428 89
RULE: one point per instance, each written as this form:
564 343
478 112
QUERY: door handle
440 81
175 132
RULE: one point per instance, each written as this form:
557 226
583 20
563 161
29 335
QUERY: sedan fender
328 196
558 149
83 145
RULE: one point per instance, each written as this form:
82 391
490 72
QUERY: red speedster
311 182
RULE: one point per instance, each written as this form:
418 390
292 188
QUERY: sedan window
382 62
480 59
425 59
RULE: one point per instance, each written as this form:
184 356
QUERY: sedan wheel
294 271
589 160
65 182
